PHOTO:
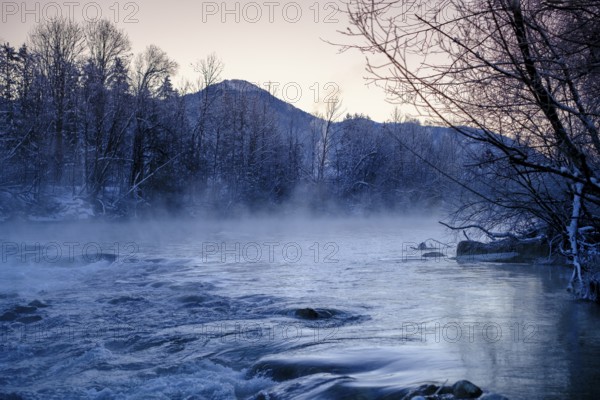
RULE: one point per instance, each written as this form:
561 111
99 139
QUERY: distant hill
286 114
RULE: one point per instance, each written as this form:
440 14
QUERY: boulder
493 396
427 390
507 250
466 390
307 313
311 313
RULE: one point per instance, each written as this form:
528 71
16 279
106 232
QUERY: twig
134 187
491 235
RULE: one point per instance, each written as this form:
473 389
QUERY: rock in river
507 250
466 390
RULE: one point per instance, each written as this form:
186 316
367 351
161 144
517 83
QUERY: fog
57 242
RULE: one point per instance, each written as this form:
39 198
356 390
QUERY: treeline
80 116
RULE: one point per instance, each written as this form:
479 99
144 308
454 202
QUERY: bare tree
58 43
513 75
325 136
150 70
210 70
108 49
106 44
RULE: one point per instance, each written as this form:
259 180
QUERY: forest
83 118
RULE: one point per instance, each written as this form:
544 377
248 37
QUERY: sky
282 42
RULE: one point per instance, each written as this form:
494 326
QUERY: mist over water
297 307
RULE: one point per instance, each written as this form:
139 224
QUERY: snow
572 230
66 207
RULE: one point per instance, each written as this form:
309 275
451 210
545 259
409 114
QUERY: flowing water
297 309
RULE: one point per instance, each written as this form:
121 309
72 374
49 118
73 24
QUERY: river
296 308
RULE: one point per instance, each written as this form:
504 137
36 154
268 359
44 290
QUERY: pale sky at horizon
274 48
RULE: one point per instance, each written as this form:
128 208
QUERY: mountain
286 114
292 120
354 162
